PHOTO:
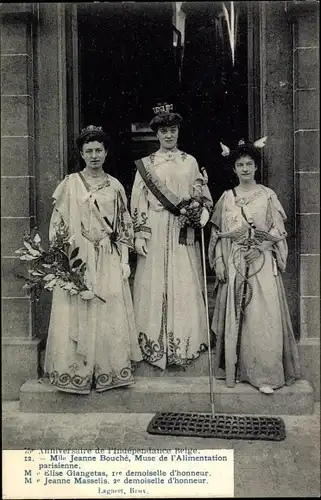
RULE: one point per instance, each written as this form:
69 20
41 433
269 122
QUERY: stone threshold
179 394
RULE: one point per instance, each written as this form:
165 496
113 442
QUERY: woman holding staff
248 251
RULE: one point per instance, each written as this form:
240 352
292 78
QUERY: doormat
220 426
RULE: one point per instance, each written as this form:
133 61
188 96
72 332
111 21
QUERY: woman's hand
265 245
220 270
251 255
141 247
125 269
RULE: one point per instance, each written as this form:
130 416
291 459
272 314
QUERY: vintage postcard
160 249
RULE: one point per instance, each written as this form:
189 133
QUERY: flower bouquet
55 266
191 214
192 206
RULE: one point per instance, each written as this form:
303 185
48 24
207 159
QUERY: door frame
256 58
73 84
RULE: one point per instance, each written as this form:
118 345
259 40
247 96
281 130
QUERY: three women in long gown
91 342
248 251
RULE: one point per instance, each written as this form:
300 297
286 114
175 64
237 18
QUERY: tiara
163 108
91 128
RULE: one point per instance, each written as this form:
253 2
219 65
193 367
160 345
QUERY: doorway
124 57
130 57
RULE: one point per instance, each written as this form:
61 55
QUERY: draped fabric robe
268 351
90 340
168 286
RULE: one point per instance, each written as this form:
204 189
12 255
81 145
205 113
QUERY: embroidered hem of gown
68 383
153 352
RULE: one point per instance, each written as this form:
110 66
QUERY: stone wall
20 347
307 183
33 162
277 124
289 68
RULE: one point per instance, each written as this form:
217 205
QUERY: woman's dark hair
90 134
247 149
165 120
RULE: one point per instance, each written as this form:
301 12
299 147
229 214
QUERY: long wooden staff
208 326
242 307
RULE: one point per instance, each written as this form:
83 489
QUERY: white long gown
268 351
168 286
89 340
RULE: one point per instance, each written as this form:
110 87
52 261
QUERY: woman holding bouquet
92 343
248 251
168 290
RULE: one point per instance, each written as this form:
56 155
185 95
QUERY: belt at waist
240 236
94 241
111 243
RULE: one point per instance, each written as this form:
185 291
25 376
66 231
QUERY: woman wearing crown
92 343
169 200
248 251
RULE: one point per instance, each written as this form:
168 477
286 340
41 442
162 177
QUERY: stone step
149 395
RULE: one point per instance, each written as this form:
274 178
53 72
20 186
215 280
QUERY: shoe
266 389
